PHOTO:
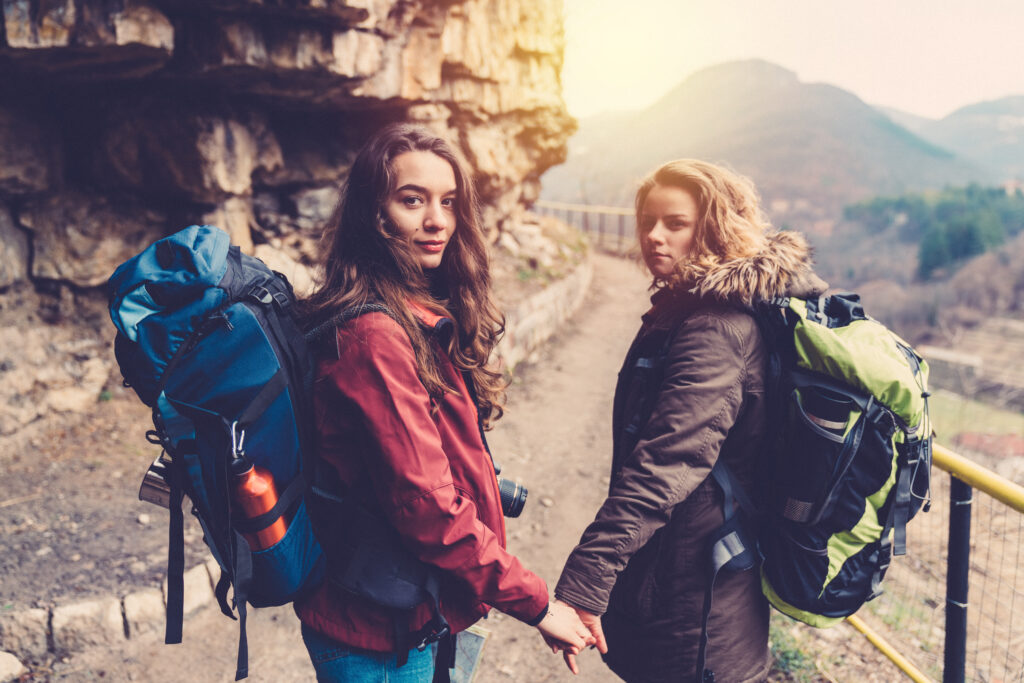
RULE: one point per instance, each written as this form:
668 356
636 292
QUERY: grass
543 274
912 625
900 615
953 414
525 274
789 661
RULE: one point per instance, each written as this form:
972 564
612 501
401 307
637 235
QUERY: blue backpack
206 337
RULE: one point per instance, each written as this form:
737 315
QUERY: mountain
912 122
989 133
811 148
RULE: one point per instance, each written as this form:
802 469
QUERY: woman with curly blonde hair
691 392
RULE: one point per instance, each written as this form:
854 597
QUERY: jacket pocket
635 594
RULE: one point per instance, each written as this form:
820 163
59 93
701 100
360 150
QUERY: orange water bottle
255 492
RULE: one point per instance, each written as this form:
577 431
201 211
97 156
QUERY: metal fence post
957 575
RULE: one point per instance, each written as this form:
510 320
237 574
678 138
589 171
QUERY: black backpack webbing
368 526
435 630
730 550
239 560
175 561
239 557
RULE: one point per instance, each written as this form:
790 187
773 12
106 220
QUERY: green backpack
849 464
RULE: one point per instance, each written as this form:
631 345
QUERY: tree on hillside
949 227
933 253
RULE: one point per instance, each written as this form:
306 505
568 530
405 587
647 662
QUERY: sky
924 57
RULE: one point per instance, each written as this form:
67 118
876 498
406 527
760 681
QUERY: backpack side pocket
283 570
820 437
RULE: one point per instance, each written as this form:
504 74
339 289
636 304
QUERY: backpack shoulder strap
324 328
731 549
734 493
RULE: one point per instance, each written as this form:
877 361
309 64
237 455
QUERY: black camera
513 494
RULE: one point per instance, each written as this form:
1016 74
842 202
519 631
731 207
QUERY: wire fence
995 623
949 617
913 612
609 227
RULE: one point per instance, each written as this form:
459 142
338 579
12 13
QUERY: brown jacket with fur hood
643 561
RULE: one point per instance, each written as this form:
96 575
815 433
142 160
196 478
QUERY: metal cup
155 487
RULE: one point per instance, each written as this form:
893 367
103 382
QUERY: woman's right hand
593 624
562 630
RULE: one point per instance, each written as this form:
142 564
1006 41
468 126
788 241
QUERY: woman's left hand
595 637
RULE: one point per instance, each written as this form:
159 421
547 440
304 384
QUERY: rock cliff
123 120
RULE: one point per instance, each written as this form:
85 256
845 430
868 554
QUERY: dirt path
554 438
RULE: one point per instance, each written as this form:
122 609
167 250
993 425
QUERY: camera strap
467 379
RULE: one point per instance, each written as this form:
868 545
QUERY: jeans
336 662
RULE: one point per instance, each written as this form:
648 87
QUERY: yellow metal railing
979 478
904 664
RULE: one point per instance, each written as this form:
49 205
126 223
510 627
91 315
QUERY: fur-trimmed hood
782 268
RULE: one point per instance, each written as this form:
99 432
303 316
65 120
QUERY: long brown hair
365 260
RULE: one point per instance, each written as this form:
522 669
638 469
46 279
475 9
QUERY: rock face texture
124 120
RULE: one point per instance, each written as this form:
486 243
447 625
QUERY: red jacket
429 473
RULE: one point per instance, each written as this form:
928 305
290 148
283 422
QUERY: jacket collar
442 327
781 268
666 305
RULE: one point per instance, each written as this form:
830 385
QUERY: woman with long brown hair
691 393
403 392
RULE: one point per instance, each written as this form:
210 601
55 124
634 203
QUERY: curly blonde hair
730 222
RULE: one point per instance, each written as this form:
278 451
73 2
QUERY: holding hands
563 630
570 630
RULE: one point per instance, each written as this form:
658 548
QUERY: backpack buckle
281 299
261 295
432 636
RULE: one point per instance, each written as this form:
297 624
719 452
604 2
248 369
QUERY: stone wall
534 320
70 626
124 120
